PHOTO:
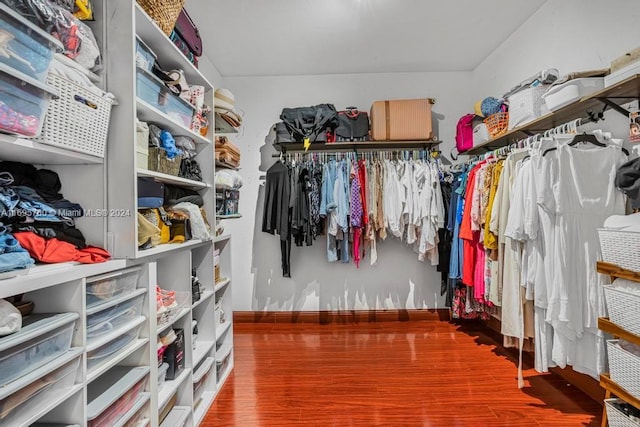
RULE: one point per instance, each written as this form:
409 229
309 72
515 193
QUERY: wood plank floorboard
415 373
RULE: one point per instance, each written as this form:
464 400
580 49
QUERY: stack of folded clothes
226 152
224 107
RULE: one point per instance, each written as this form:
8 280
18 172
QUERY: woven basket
617 418
624 368
159 162
497 124
621 248
78 120
623 308
164 12
527 105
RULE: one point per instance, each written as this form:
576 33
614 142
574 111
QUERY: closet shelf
234 216
28 151
122 354
168 247
618 272
202 350
352 146
222 237
203 406
169 56
616 390
221 126
222 284
222 329
173 320
626 90
150 114
205 296
608 326
174 180
170 387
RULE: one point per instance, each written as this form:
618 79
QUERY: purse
353 125
188 31
190 169
310 124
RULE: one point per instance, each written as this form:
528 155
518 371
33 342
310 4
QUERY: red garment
54 250
469 238
357 235
362 173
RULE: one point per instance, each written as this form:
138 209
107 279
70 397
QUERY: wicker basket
78 120
164 12
624 368
623 308
159 162
497 124
616 417
621 248
527 105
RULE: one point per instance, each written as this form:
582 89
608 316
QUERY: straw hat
224 99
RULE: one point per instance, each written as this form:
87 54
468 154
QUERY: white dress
585 196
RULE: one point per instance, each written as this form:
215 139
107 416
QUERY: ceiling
307 37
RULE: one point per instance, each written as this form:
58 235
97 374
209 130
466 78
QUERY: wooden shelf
362 145
615 271
627 89
608 326
174 180
169 56
27 151
150 114
616 390
222 127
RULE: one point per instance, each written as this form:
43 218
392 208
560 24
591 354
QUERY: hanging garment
276 214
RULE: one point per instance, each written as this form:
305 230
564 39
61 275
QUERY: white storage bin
526 106
616 417
624 368
623 308
200 376
571 91
140 413
480 134
99 355
113 316
43 338
221 366
24 102
142 145
29 49
114 394
21 399
622 74
101 289
621 248
162 373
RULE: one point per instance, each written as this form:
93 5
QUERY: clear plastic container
201 374
23 102
18 403
28 49
168 315
151 90
102 289
145 58
221 366
42 338
112 395
96 357
114 316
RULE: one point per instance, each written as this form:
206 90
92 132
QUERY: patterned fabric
314 199
486 190
356 200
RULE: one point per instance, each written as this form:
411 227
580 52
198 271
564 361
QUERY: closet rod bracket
608 102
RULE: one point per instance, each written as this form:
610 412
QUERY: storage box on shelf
624 367
153 92
616 417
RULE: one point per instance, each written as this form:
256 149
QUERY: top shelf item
627 89
170 55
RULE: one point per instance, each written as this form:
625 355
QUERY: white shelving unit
62 288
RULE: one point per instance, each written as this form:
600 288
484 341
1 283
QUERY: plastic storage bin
23 102
27 48
571 91
42 338
96 356
178 417
101 289
112 395
527 105
145 58
20 401
152 91
221 366
114 316
162 373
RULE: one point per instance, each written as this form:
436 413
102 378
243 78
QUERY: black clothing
276 217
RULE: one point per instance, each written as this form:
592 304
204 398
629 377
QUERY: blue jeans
15 261
9 244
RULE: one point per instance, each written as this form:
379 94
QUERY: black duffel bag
310 122
353 125
283 134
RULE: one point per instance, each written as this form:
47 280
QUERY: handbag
310 124
188 31
190 169
353 125
184 48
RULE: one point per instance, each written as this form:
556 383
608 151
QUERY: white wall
570 35
399 280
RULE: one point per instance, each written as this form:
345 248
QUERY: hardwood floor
417 373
